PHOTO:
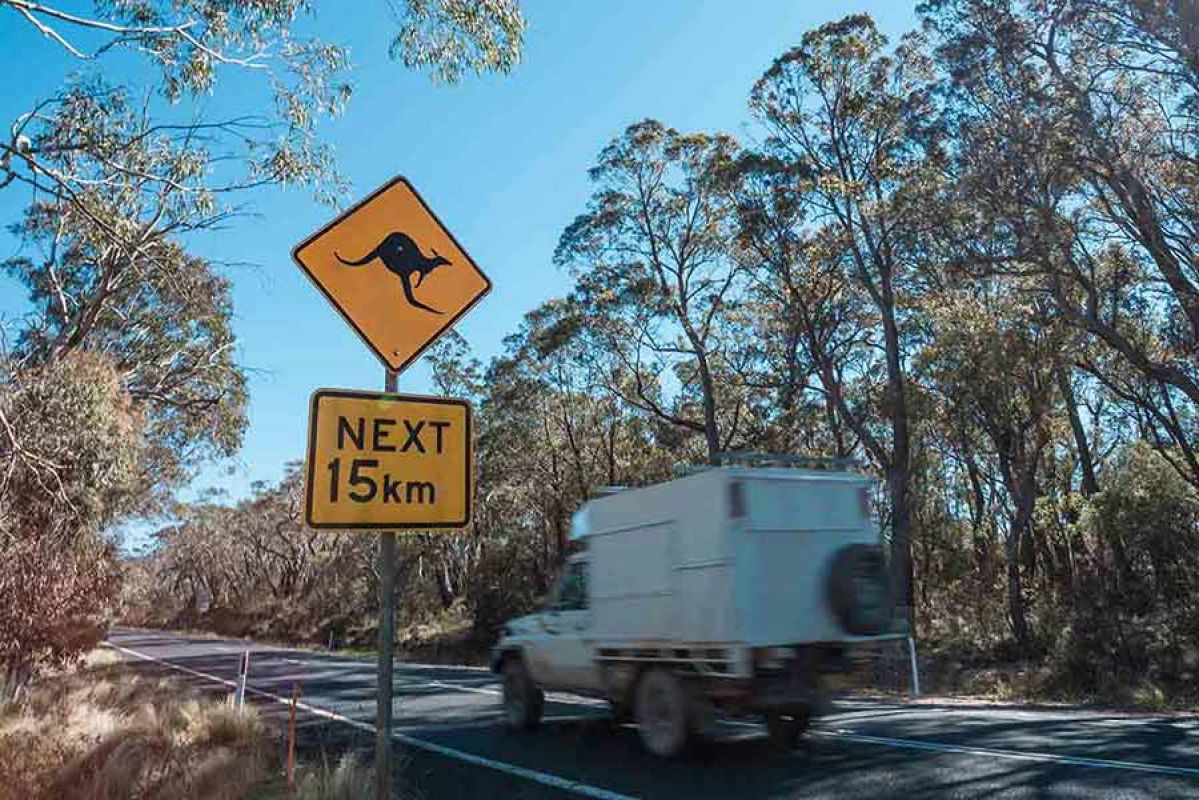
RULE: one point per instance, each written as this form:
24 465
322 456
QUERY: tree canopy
124 176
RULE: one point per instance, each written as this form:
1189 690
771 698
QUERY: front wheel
663 717
523 700
785 729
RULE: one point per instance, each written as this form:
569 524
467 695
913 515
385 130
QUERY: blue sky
502 159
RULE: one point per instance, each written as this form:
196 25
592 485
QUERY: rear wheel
663 717
523 700
785 729
622 712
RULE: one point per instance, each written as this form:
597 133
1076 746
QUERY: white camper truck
736 589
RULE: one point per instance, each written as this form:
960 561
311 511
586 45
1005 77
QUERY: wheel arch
502 654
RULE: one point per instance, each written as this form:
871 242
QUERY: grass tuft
227 725
348 779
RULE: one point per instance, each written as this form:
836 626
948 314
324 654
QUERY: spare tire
859 590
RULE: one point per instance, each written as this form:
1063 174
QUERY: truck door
568 657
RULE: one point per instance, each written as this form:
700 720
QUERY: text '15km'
379 461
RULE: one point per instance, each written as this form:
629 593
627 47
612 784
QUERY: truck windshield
571 592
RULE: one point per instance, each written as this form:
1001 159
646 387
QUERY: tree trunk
445 588
1015 592
711 433
1086 463
899 474
901 546
1018 543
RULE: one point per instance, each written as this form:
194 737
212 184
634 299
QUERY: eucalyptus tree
551 433
853 123
70 445
657 283
815 337
993 354
1079 153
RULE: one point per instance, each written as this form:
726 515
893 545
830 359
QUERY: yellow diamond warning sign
394 271
387 461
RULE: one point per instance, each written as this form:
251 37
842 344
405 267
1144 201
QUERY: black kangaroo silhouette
403 258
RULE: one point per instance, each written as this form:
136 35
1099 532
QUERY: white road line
1019 755
451 667
255 647
920 744
1188 727
494 722
490 680
543 778
550 697
456 687
1187 724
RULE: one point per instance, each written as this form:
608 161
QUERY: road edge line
203 635
544 778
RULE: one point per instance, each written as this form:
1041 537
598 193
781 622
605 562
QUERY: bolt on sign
394 272
387 461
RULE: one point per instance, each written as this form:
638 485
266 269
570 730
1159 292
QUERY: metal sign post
400 279
387 618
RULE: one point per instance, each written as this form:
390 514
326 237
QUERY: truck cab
555 642
735 590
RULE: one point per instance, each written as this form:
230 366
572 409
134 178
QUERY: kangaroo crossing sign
386 461
394 271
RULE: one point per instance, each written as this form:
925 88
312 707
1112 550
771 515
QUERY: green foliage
452 37
71 447
1134 618
70 463
165 318
656 284
1147 516
502 585
193 44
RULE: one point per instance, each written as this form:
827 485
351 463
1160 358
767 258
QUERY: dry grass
104 733
347 779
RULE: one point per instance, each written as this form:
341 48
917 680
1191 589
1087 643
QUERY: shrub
502 586
70 458
1134 620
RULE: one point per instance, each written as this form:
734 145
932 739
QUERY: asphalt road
453 743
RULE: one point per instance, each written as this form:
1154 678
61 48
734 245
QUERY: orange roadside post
291 738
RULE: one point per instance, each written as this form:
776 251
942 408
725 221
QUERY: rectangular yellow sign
387 462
